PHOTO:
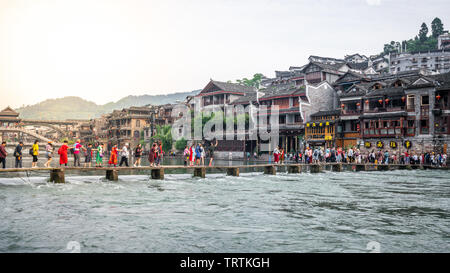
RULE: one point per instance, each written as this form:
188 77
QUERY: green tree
181 144
389 48
255 81
423 32
164 134
437 28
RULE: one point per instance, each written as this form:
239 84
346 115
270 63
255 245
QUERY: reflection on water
405 211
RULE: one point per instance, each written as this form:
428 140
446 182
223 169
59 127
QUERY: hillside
78 108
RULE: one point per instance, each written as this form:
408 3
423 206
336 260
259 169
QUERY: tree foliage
255 81
180 144
421 42
437 28
423 32
164 134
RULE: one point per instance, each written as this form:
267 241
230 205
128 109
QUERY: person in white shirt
125 154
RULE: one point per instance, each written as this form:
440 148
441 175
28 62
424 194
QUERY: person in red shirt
3 154
63 158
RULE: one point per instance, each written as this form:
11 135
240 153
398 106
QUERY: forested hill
78 108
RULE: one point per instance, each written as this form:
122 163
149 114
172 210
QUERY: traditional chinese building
321 130
9 117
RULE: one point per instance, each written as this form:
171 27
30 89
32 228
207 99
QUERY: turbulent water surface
402 211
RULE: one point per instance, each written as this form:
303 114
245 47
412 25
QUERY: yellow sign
380 144
328 137
367 144
407 144
314 125
393 144
327 123
307 124
320 124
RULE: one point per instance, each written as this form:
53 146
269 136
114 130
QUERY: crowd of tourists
90 154
317 155
197 154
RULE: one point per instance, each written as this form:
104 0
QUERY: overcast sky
104 50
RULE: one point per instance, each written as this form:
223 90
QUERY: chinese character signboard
407 144
367 144
380 144
393 144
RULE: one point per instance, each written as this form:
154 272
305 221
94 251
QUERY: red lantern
380 101
438 97
386 100
358 104
403 99
367 101
342 105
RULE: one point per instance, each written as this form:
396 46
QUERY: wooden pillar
112 175
336 168
294 169
233 171
360 167
270 170
200 172
405 167
57 176
315 168
157 173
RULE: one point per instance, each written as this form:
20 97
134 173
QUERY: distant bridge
57 125
27 132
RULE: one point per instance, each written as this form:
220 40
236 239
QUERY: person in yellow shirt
35 149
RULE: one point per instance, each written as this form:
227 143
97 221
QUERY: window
138 123
298 118
424 128
425 100
410 102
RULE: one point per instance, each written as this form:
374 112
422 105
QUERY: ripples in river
405 211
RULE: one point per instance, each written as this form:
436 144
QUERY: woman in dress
99 156
113 157
191 155
63 158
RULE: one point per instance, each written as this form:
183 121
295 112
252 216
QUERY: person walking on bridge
63 158
35 153
113 156
49 151
3 154
124 154
76 153
137 155
99 155
18 155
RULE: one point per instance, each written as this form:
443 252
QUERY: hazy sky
104 50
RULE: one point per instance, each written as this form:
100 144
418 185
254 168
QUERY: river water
399 211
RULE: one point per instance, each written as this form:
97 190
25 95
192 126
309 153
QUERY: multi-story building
321 130
444 41
127 125
409 110
437 61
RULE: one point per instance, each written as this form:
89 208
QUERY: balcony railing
351 112
384 109
382 132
